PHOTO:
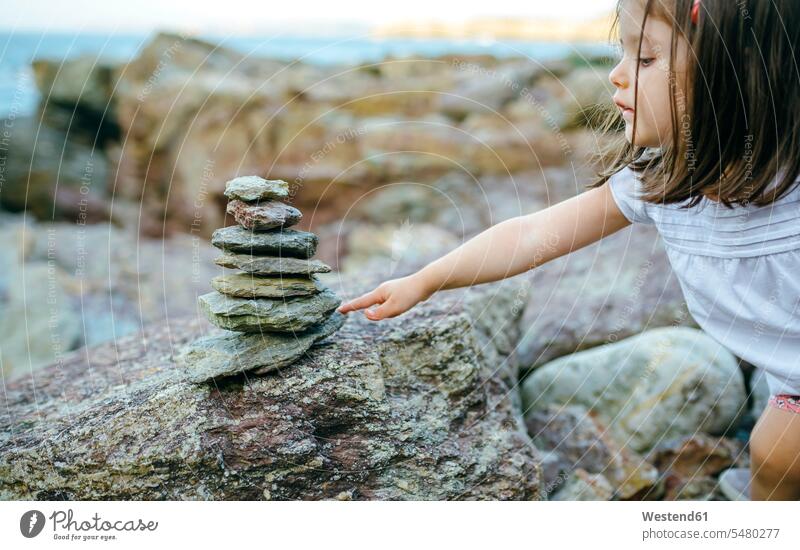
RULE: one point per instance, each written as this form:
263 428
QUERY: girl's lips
623 108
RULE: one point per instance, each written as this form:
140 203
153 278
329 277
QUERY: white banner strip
353 525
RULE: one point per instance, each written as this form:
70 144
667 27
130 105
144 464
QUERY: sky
258 15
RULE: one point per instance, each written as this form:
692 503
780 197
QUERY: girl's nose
617 77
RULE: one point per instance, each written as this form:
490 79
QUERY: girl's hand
395 296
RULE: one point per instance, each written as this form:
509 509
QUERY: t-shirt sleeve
626 189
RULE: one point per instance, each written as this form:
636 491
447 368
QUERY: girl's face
653 119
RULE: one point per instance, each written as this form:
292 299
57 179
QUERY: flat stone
247 285
231 353
254 188
278 242
264 314
263 215
272 265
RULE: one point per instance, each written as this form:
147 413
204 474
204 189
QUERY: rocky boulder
51 173
85 82
661 384
416 407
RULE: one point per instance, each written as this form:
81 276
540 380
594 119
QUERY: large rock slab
264 215
661 384
232 352
264 314
272 265
281 242
407 408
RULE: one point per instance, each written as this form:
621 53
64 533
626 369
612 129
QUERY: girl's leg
775 451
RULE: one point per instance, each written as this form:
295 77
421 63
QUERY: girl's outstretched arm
504 250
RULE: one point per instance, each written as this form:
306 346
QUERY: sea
19 97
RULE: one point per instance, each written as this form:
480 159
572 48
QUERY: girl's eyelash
646 61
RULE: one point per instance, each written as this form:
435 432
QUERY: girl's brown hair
741 125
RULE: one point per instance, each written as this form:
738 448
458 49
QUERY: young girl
709 92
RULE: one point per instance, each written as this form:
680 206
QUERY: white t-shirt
739 271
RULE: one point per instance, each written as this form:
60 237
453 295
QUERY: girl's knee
774 445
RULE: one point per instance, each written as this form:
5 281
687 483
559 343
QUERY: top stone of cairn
253 188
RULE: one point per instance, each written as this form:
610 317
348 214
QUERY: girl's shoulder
626 189
710 228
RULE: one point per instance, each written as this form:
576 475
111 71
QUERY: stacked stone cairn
273 307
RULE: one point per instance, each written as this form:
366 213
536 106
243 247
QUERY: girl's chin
642 141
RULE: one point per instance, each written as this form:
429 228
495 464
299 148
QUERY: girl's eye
646 61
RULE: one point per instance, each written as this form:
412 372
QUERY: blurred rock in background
166 128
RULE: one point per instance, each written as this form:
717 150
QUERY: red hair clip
696 12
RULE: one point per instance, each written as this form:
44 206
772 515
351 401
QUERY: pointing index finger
361 302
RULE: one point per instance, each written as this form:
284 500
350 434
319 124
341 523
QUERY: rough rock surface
264 215
268 265
283 242
230 352
253 188
246 285
409 408
263 314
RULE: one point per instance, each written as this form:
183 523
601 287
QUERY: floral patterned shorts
786 401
